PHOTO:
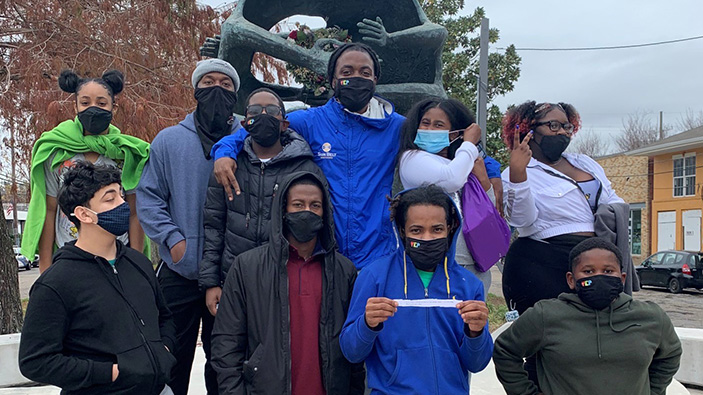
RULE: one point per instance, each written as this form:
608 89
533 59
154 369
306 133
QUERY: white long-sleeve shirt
545 205
418 167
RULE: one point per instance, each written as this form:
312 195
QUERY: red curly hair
524 116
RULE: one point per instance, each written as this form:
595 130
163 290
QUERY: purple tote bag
485 231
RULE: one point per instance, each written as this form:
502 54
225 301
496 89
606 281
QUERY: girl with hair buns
550 197
88 137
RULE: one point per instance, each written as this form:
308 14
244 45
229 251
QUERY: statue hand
374 31
211 47
323 42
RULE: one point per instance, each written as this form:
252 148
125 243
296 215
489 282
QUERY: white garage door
666 234
692 230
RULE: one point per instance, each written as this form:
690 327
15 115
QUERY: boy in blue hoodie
417 318
171 196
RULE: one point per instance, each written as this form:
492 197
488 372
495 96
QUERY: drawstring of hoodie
598 333
405 276
612 328
610 324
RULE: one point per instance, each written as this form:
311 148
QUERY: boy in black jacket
271 153
96 322
284 304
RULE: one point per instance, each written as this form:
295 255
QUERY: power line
609 47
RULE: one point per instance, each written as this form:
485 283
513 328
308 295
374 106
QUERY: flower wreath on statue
306 38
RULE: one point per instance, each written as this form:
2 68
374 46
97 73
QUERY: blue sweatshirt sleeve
229 145
476 352
357 339
153 194
492 167
299 122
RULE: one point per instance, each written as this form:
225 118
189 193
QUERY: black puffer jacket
251 336
232 227
84 316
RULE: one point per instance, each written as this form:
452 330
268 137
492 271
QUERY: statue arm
374 32
244 33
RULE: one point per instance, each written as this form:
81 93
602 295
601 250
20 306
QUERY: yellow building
677 184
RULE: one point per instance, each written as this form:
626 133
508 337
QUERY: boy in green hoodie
597 340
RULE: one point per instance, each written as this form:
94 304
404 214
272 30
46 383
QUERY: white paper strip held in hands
427 302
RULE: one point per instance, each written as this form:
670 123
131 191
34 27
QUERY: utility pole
482 102
661 125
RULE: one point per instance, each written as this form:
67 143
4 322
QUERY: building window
685 175
635 229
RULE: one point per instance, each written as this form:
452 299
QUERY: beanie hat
590 244
214 65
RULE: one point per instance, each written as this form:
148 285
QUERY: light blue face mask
432 141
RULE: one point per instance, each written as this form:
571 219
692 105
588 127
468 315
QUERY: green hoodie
628 348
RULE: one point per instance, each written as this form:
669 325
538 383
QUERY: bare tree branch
588 143
639 130
690 120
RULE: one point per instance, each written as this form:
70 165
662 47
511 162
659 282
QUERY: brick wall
628 175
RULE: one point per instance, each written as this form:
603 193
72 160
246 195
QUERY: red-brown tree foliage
153 42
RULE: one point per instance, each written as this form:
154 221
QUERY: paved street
684 309
27 278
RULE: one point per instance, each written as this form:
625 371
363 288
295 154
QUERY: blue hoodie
171 194
418 350
357 155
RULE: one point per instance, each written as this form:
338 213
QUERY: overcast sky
606 85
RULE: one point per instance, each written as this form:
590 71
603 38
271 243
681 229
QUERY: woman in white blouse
550 197
438 146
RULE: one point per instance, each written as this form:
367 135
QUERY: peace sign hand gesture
519 157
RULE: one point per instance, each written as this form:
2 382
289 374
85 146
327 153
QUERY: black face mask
354 93
553 146
213 116
264 129
95 119
426 254
599 291
303 225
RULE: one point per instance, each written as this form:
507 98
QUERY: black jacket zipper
138 320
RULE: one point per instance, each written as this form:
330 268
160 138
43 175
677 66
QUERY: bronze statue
408 44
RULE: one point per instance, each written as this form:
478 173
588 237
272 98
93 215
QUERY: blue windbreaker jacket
357 155
418 350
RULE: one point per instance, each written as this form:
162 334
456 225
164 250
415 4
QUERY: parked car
22 262
34 263
674 270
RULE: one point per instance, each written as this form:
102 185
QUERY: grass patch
496 311
24 306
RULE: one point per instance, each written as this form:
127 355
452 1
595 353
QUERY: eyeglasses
271 109
554 126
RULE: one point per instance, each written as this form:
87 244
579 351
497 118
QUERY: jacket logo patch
326 154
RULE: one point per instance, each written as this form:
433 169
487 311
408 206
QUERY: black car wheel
674 285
